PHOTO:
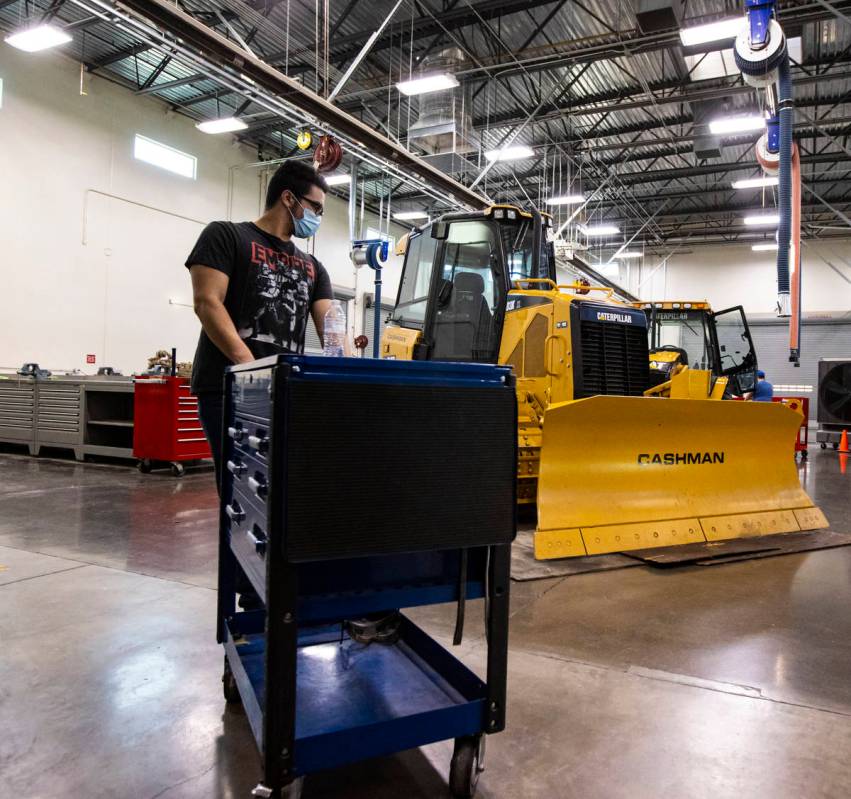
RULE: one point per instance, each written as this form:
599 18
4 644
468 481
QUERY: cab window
685 330
471 293
416 280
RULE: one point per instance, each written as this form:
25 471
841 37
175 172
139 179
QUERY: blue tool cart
353 488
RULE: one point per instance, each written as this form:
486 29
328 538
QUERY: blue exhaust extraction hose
784 190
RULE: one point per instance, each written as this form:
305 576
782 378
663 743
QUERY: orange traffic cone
843 443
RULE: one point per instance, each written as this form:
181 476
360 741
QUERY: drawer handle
236 433
259 487
234 512
258 443
237 469
258 538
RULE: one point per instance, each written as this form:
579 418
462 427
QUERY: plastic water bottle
335 330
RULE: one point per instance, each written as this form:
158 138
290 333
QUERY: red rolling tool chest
166 426
800 405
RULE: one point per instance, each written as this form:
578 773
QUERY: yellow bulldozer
612 462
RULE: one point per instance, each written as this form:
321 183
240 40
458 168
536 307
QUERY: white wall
735 275
84 272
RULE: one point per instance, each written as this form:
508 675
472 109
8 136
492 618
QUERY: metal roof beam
171 84
609 46
664 93
119 55
157 72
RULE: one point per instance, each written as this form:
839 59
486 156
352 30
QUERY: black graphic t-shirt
272 287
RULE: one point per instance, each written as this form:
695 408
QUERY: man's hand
209 288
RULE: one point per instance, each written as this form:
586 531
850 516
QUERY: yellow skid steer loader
609 468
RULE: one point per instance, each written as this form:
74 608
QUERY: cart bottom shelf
355 701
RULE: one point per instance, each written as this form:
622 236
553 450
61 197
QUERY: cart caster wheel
805 456
178 469
464 769
835 445
229 687
144 466
823 445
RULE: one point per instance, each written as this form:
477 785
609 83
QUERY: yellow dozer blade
624 473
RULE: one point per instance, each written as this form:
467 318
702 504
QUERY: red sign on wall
90 358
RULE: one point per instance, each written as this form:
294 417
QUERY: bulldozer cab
683 332
456 278
692 335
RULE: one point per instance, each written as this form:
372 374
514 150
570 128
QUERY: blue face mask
307 226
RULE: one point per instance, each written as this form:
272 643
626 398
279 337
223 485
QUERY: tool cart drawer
250 437
248 540
245 514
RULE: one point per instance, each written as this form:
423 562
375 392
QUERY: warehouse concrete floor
722 681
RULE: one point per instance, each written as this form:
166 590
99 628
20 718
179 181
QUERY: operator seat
463 327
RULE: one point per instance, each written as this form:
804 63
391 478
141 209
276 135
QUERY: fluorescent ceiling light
762 219
515 153
223 125
712 31
628 254
764 247
737 124
38 38
600 230
566 199
338 180
407 215
427 83
755 183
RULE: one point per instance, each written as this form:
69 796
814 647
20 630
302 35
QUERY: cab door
733 350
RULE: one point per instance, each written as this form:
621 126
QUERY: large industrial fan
834 400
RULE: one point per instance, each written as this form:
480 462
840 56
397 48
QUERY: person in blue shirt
763 391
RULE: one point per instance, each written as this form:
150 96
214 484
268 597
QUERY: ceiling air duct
654 16
705 145
444 126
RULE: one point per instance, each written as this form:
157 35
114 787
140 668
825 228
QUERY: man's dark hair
297 176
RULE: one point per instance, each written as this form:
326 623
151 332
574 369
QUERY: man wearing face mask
253 289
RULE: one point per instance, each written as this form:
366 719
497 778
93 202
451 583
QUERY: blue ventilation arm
772 136
759 14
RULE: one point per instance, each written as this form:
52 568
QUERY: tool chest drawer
17 409
59 411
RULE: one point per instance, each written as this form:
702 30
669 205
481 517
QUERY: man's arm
318 311
209 287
